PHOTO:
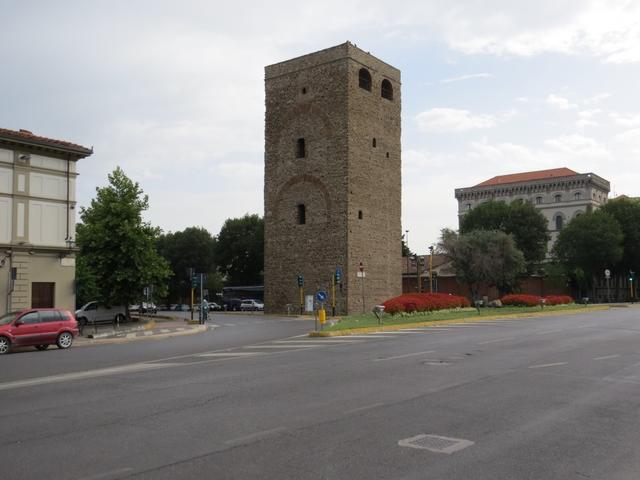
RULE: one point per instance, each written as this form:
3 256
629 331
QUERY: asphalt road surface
539 398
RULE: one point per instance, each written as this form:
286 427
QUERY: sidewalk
143 329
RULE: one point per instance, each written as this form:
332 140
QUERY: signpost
362 274
607 275
321 297
301 289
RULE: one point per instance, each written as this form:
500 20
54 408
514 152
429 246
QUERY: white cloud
447 120
466 77
586 118
626 119
630 140
559 102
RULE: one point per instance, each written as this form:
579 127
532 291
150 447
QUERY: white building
37 220
560 194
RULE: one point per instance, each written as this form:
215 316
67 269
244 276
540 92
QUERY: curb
90 342
401 326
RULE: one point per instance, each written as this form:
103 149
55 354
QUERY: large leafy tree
627 213
240 250
588 245
484 257
194 247
522 220
117 248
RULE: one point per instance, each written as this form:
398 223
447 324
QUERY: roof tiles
528 176
29 137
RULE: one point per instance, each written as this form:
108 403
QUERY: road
539 398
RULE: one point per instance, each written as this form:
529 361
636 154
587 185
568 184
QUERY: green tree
240 250
484 257
117 249
194 247
587 245
522 220
626 211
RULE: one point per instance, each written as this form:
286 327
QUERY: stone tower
332 187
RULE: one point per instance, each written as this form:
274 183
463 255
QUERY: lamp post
430 268
406 238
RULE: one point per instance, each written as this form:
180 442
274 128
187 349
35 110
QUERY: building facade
560 194
37 220
332 179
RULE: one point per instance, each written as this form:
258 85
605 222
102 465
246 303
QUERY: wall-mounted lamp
3 261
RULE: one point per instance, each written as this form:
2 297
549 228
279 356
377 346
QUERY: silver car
93 313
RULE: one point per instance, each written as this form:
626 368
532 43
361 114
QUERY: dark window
304 90
300 148
387 154
557 198
50 316
364 79
374 143
31 317
302 214
559 221
386 90
359 214
42 294
538 200
577 195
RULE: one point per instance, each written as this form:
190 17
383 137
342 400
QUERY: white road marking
548 365
255 436
370 337
495 341
230 354
111 473
606 357
102 372
403 356
281 346
362 409
320 342
398 332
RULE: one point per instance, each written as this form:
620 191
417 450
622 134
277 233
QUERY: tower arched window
386 90
364 79
559 222
374 143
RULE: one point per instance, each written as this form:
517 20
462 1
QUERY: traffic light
195 281
338 275
300 281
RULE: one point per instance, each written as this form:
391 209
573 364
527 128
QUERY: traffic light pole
333 295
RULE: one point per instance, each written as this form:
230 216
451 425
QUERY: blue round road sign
321 296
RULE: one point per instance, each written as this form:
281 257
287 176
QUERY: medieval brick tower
332 187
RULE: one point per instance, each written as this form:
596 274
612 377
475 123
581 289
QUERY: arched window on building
577 196
364 79
302 214
386 90
538 200
559 222
557 198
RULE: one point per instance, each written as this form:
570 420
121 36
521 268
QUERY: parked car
232 304
38 327
93 313
214 307
251 305
181 307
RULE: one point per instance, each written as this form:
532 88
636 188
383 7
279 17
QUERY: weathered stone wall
317 97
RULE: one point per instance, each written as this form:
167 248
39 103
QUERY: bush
558 300
521 300
423 302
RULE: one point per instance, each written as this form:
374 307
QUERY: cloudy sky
173 92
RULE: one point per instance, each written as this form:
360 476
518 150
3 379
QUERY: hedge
424 302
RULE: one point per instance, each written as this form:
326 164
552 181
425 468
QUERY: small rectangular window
302 214
300 148
359 214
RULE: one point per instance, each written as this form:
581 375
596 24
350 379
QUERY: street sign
308 303
607 273
361 274
321 296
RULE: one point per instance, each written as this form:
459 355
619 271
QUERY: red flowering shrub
558 300
423 302
521 300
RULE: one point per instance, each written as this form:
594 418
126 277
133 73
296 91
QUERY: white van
93 313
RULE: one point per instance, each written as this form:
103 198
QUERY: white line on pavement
229 354
281 346
495 341
548 365
606 357
320 342
111 473
370 336
403 356
255 436
361 409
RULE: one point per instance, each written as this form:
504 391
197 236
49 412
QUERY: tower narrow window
559 221
302 214
386 90
374 144
364 79
359 214
300 148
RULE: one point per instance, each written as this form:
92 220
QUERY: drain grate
435 443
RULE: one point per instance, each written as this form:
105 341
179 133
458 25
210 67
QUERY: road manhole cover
435 443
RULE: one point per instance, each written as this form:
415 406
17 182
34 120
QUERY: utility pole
430 268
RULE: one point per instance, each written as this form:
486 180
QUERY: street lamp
430 268
406 238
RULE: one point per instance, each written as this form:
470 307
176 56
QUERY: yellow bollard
322 316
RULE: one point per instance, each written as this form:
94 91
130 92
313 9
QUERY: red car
38 327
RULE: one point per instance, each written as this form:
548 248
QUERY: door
50 325
42 294
29 330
